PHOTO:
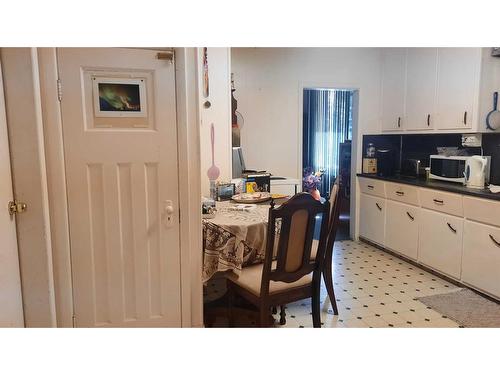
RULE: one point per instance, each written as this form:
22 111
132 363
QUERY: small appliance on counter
369 161
385 162
477 171
448 168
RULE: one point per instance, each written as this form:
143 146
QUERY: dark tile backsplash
421 146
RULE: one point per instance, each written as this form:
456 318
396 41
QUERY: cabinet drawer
481 259
440 201
440 242
483 210
402 193
372 186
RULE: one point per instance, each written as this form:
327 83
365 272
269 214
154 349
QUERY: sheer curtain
327 123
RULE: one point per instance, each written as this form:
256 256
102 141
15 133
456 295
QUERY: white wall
219 113
269 83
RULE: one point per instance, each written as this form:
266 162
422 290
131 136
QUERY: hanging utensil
213 172
493 117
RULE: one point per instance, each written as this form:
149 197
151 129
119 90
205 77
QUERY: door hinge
74 321
59 90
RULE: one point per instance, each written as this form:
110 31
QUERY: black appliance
385 162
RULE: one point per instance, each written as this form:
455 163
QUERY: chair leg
282 315
328 277
264 316
230 305
316 316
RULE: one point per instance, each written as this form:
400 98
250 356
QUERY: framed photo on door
119 97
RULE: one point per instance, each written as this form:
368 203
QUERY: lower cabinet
372 218
481 258
401 228
440 242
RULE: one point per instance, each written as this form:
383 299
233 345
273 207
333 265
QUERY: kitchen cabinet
372 218
393 91
481 258
401 228
458 81
440 242
421 81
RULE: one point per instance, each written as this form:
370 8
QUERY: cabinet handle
370 187
438 201
411 217
378 206
494 241
399 122
451 228
400 193
428 120
465 118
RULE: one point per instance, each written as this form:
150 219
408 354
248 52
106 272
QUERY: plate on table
251 197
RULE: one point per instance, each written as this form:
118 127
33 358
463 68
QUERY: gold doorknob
16 207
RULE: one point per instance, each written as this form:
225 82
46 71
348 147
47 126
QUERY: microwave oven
448 168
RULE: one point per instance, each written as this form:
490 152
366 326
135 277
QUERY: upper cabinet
393 88
457 88
421 78
437 89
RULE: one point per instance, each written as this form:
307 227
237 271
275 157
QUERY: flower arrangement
311 179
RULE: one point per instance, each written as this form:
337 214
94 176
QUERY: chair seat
251 278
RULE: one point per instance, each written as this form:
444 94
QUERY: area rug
467 308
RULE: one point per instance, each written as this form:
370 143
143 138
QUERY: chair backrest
298 217
333 219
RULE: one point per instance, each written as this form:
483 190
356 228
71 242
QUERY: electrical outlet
472 140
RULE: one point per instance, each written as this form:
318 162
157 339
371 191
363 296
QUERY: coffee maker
385 162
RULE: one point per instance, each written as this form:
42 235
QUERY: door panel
401 228
372 218
121 171
440 242
393 88
421 88
11 308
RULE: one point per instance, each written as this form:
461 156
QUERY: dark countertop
437 185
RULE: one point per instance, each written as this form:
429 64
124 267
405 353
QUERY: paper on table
242 207
494 188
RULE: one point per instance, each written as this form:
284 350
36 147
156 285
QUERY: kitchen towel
494 188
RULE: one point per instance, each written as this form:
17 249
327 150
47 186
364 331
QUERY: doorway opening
326 143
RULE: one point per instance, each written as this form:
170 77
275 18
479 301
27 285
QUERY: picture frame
119 97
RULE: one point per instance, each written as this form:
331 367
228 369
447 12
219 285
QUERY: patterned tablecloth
234 239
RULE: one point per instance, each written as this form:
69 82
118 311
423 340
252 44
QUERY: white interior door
11 306
120 141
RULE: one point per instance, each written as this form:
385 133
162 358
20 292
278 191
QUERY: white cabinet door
440 242
458 81
372 218
401 228
481 260
421 77
393 88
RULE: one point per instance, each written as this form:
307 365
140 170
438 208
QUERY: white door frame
355 148
189 186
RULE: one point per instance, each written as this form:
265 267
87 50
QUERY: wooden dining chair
333 224
291 275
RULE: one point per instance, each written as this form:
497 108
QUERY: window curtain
327 123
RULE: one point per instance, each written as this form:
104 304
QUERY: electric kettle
476 173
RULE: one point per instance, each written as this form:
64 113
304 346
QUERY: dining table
234 238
